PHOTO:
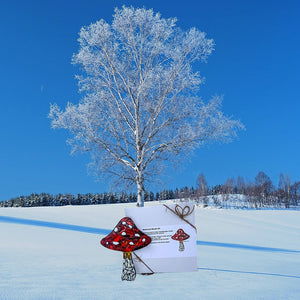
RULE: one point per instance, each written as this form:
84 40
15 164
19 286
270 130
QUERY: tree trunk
140 192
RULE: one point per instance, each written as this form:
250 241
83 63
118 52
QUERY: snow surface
242 254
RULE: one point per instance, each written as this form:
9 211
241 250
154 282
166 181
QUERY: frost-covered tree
140 106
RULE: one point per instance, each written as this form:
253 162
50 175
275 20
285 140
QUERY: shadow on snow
249 272
54 225
102 231
244 247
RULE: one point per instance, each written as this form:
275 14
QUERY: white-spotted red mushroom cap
126 237
180 235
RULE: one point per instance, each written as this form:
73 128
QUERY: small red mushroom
180 236
126 237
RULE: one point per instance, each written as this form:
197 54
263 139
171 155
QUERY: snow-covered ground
242 254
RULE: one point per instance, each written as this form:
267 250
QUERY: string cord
182 213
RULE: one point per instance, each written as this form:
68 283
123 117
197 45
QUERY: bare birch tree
284 189
202 189
140 106
241 186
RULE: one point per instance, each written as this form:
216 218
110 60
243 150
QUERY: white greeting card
173 233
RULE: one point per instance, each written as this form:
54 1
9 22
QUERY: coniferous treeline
46 199
259 193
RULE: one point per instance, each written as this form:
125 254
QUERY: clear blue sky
256 66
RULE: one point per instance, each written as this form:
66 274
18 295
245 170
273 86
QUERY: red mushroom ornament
126 237
180 236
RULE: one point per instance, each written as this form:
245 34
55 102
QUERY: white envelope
164 253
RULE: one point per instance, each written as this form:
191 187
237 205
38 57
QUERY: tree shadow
102 231
245 247
249 272
55 225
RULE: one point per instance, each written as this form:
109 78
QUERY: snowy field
54 253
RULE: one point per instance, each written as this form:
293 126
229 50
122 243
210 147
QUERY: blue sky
256 66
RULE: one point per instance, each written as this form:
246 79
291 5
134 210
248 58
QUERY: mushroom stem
128 272
181 246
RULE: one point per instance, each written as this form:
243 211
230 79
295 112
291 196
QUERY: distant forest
260 193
